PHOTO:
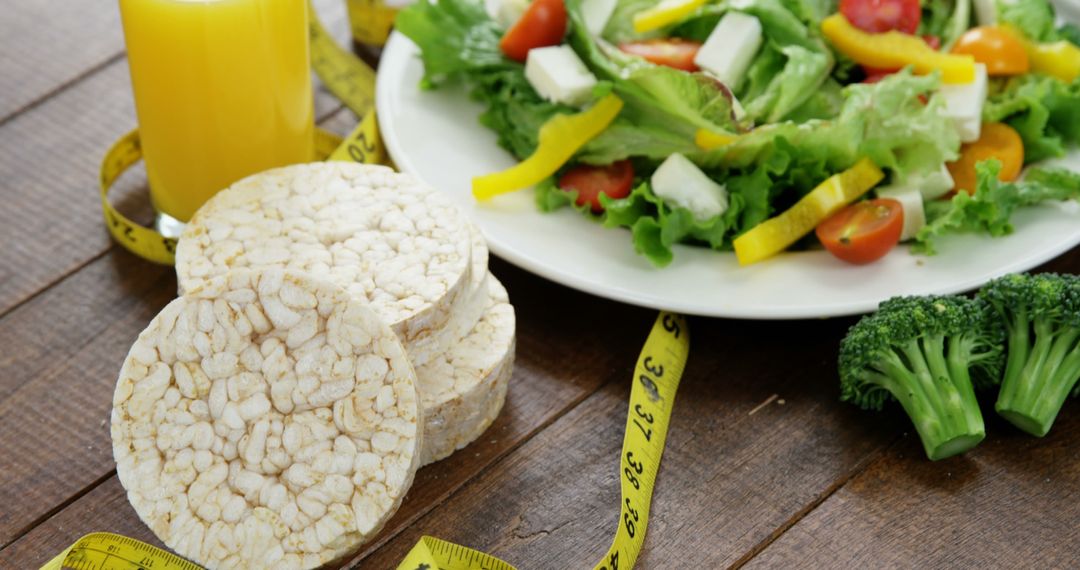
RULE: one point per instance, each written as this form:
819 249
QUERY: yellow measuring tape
345 75
656 380
656 376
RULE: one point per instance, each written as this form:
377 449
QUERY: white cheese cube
985 12
935 184
912 202
680 183
559 75
730 48
964 104
506 12
596 14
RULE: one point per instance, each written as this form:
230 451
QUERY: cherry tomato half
1002 52
672 52
877 16
996 140
864 231
543 24
615 180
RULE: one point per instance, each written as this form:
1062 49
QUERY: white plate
435 136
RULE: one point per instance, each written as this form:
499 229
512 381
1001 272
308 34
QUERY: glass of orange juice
222 90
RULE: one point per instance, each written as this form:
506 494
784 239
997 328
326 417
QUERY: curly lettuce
1044 110
990 209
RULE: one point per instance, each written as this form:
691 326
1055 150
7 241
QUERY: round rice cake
463 390
465 315
391 241
266 419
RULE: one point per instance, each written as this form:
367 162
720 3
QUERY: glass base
168 226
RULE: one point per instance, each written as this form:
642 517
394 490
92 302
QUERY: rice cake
266 419
465 315
463 390
389 240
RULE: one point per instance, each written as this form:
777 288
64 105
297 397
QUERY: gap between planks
813 505
64 86
383 539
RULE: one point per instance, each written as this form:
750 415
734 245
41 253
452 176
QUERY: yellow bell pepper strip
709 140
1060 59
665 13
560 137
893 49
778 233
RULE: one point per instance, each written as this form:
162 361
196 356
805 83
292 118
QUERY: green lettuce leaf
799 78
656 227
1035 18
457 39
991 207
1045 111
884 121
946 19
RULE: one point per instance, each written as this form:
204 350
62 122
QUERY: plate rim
396 53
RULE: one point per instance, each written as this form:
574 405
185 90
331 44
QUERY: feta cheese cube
985 12
730 48
559 75
596 14
964 104
506 12
680 183
912 202
934 184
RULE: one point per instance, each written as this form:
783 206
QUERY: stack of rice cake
267 268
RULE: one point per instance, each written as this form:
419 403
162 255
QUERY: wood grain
1010 503
62 352
542 388
51 223
733 473
47 46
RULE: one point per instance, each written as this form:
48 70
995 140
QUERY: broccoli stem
936 392
1032 398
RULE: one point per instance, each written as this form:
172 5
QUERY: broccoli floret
928 353
1042 316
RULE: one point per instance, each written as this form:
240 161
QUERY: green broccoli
1042 316
927 352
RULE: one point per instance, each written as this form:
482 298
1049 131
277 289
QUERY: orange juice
222 90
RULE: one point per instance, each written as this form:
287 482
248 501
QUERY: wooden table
764 467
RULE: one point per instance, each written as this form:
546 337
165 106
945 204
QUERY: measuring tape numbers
652 397
656 375
108 551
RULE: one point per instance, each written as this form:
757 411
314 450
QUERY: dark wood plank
62 352
734 472
66 449
1012 502
47 45
51 221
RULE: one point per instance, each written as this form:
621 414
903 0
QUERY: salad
764 125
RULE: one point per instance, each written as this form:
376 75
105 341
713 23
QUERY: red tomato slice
877 16
672 52
543 24
864 231
590 182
